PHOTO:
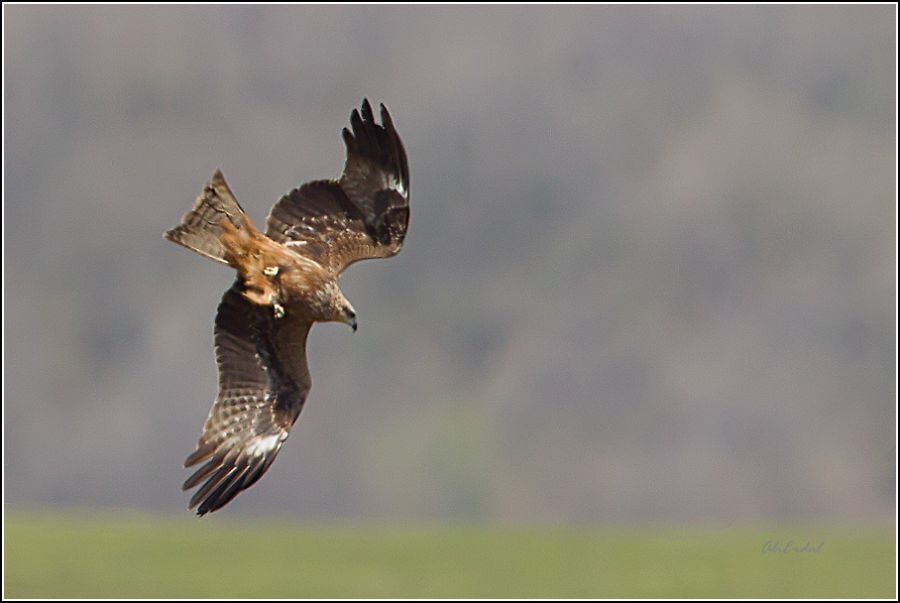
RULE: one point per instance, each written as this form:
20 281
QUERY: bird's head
349 316
339 307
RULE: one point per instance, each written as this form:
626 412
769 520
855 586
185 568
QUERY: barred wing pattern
363 215
263 384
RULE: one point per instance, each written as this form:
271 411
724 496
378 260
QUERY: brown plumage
287 281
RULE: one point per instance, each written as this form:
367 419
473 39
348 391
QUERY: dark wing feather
363 215
263 384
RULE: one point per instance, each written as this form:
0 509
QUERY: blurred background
650 272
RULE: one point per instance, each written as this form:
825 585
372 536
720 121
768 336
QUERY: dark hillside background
650 274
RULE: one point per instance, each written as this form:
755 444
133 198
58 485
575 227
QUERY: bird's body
287 281
281 276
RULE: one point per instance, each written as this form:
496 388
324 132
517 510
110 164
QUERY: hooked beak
351 319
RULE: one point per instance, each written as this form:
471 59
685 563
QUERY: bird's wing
362 215
263 383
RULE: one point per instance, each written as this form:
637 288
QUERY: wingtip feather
367 114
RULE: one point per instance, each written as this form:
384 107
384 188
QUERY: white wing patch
393 183
263 446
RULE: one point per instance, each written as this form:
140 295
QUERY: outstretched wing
364 214
263 383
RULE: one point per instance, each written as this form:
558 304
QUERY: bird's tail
202 227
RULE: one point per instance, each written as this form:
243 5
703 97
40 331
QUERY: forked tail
201 228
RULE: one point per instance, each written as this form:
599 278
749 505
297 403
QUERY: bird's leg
276 307
272 272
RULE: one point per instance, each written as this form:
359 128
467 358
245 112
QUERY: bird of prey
287 280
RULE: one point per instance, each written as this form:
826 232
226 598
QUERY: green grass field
112 555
